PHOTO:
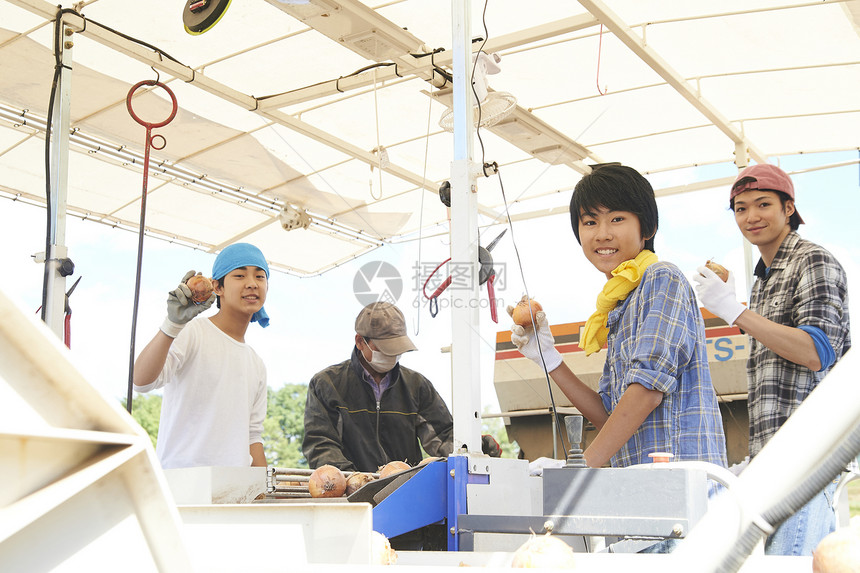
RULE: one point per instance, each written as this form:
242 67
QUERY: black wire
472 80
425 54
441 71
444 73
510 224
355 73
58 65
480 109
46 277
370 67
158 51
534 326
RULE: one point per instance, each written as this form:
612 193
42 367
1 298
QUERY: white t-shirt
214 399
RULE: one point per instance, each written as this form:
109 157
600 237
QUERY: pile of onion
838 552
355 481
326 481
544 551
201 288
525 310
393 468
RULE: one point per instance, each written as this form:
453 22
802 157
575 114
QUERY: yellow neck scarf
625 278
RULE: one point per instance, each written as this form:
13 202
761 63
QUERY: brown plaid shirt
806 285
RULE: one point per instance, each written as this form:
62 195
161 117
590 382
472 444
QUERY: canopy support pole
54 305
742 160
465 320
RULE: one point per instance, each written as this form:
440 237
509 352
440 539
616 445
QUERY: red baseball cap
765 177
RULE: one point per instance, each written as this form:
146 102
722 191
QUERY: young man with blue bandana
798 324
215 388
655 394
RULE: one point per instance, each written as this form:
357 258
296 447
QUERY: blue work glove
181 309
525 341
718 296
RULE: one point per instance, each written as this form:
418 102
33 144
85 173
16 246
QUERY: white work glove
718 296
181 309
525 341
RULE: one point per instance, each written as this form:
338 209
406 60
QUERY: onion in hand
201 288
525 310
718 269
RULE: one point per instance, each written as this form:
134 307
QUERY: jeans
800 533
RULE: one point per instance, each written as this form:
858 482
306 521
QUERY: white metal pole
791 456
742 161
55 301
465 326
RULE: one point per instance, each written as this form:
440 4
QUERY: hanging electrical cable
379 150
417 322
58 66
495 170
534 325
474 67
599 53
46 277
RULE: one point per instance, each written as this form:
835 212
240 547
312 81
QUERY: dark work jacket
347 428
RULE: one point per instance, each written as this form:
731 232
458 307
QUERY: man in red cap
798 323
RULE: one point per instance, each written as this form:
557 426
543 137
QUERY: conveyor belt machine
493 504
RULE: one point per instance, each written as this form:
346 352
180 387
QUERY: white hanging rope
417 324
378 149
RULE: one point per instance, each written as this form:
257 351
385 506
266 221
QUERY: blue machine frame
433 495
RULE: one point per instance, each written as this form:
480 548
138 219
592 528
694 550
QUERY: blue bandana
242 255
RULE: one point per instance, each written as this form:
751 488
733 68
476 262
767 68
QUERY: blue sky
312 318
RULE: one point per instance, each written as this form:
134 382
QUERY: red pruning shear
67 323
486 274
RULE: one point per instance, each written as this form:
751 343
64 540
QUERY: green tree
284 427
146 410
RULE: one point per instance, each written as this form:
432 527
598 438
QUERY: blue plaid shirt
657 339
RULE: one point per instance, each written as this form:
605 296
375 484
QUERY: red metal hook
149 137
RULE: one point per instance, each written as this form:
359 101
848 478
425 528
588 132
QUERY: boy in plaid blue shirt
655 394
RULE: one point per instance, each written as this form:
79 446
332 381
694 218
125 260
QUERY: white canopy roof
282 106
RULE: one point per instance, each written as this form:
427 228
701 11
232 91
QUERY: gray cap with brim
383 323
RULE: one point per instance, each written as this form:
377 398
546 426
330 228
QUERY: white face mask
380 362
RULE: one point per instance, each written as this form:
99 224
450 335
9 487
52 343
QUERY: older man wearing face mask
369 410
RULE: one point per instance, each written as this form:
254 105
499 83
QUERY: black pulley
201 15
445 193
485 259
